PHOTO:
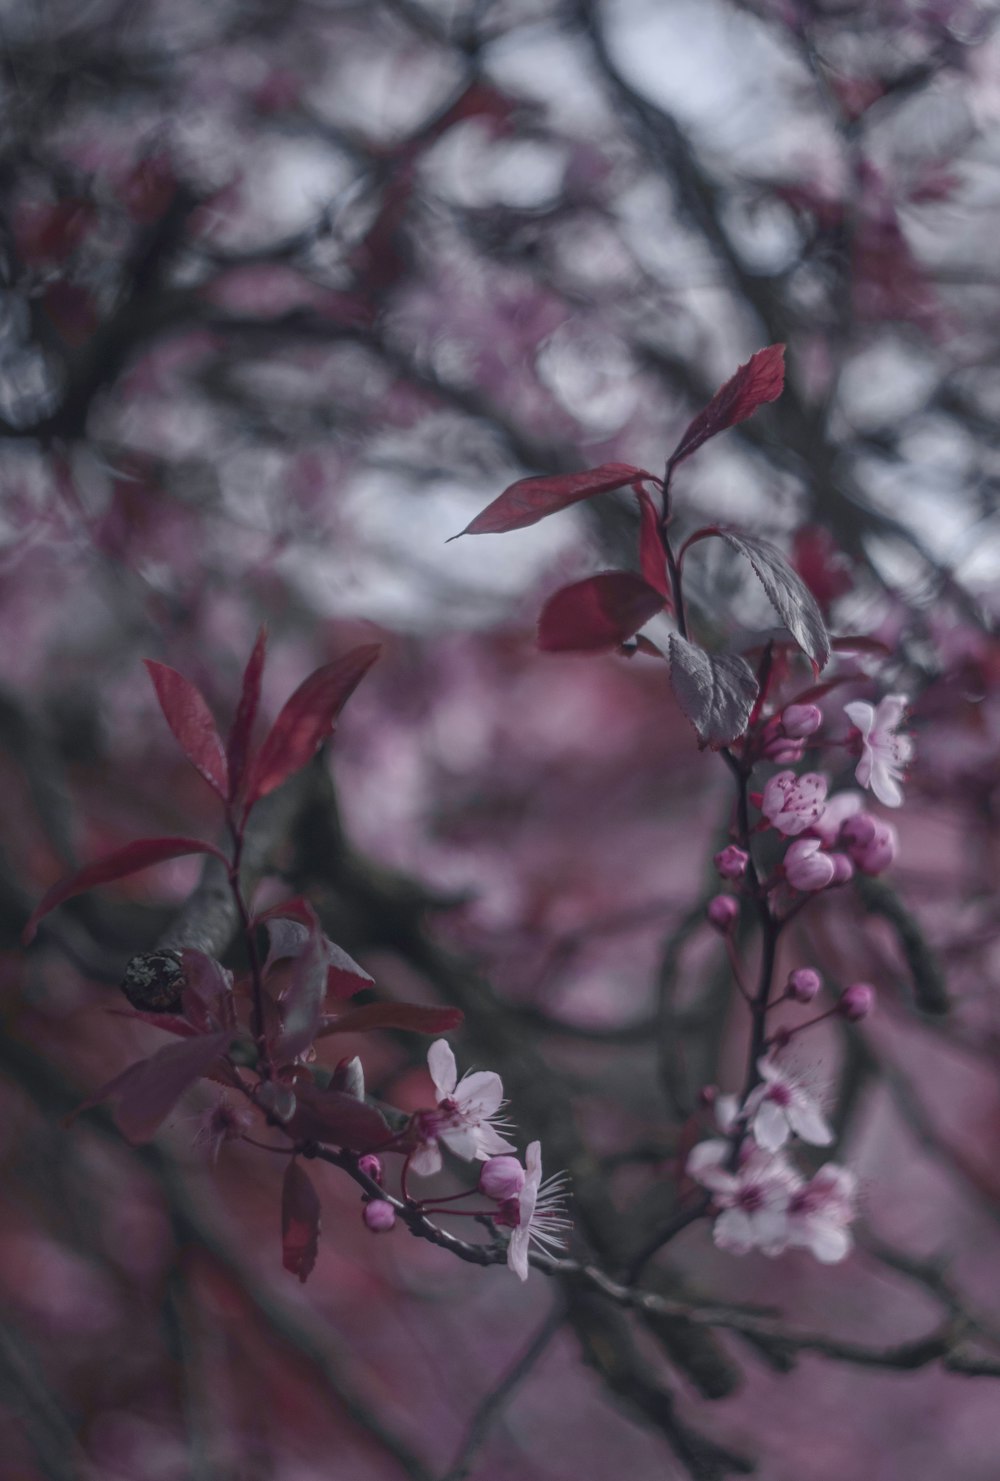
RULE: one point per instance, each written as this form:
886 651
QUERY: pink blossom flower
884 753
856 1002
753 1200
804 984
463 1121
222 1122
780 1107
806 867
379 1215
536 1216
501 1178
794 803
820 1212
784 750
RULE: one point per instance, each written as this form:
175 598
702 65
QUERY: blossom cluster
761 1199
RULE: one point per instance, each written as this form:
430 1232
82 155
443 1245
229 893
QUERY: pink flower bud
799 721
804 984
371 1166
857 1002
379 1216
806 868
501 1178
722 912
731 862
784 750
843 869
859 830
876 855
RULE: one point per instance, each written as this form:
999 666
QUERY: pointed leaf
531 499
786 591
597 613
192 723
652 555
411 1016
307 720
300 1222
715 691
147 1092
167 1021
302 1002
128 860
238 743
334 1117
207 995
761 379
344 977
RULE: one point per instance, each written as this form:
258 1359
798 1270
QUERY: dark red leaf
147 1092
238 743
128 860
207 995
411 1016
531 499
786 591
302 1002
715 691
652 555
761 379
168 1021
190 719
597 613
344 977
300 1213
331 1116
307 720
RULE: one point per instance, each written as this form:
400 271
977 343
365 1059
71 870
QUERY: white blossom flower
780 1107
821 1211
754 1200
884 753
463 1120
536 1216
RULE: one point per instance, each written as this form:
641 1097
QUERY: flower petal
478 1094
444 1071
807 1120
770 1126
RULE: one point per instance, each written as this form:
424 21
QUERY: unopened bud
806 868
784 750
722 912
876 855
731 862
379 1216
371 1166
501 1178
349 1078
857 1002
859 830
799 721
804 984
843 869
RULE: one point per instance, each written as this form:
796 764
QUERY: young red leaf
786 591
127 860
334 1117
300 1214
302 1002
191 721
147 1092
597 613
344 977
531 499
761 379
652 555
238 743
167 1021
410 1016
306 721
715 691
207 995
